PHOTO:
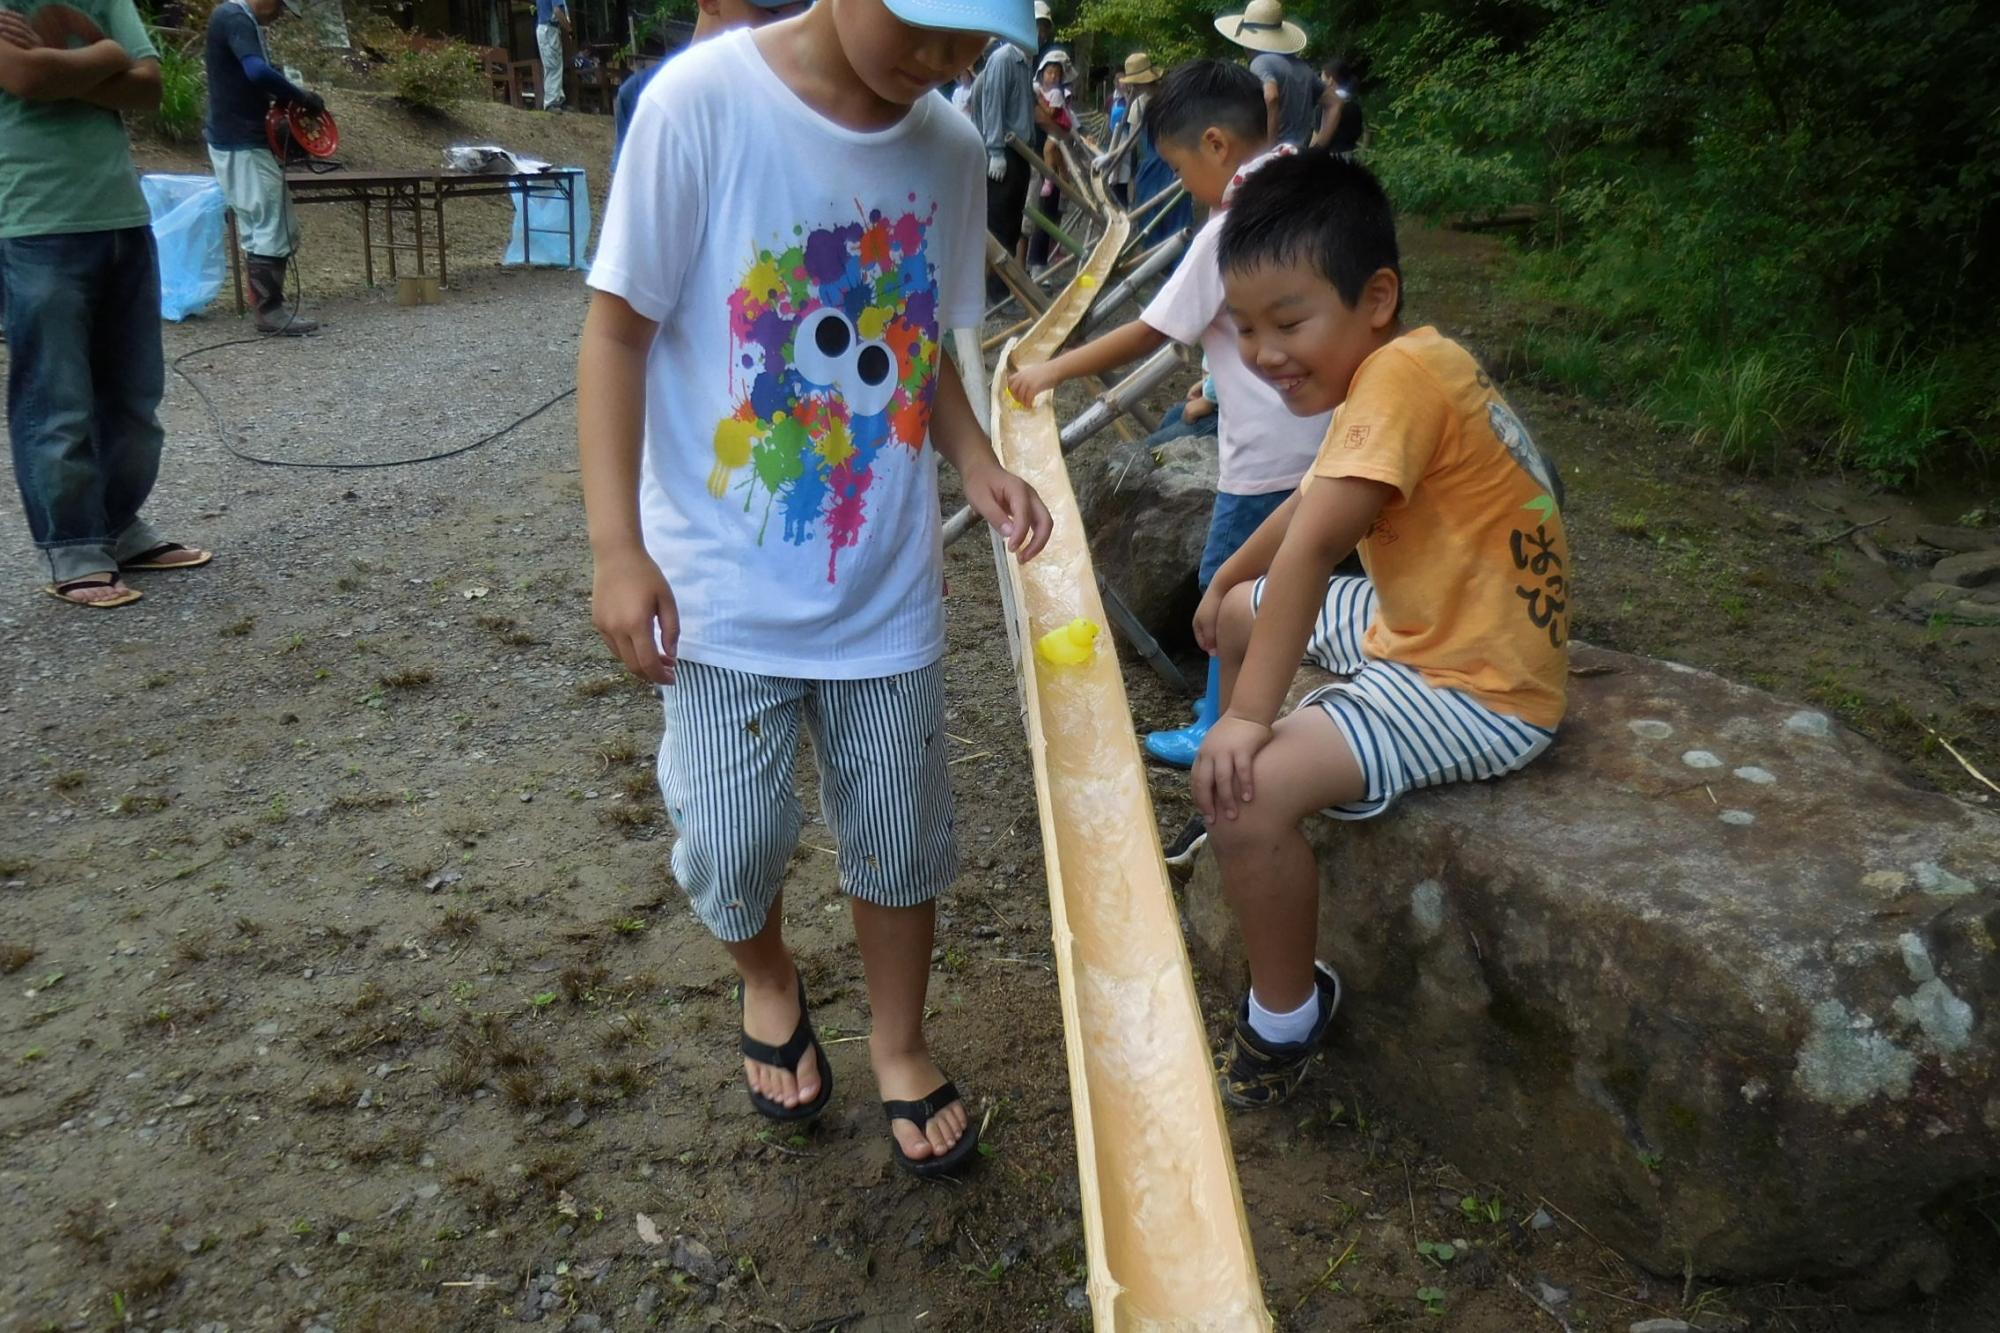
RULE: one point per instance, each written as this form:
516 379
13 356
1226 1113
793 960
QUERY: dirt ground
346 987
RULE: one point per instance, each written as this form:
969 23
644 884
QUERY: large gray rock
1712 976
1147 513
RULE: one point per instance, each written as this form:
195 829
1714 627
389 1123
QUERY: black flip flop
787 1057
150 558
920 1114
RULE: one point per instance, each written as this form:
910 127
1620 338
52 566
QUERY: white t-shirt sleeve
655 218
1191 299
962 265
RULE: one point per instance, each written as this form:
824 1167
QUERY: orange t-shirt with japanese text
1469 559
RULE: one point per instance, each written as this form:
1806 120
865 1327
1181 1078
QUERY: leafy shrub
1790 205
183 94
425 77
423 73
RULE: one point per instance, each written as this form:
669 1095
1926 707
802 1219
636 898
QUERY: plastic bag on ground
551 222
188 231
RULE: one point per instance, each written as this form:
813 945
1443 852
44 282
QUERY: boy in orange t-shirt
1452 648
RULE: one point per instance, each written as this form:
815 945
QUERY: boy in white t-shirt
794 225
1208 121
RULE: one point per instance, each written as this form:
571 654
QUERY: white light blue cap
1010 20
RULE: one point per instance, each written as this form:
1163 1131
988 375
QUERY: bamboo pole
1165 1233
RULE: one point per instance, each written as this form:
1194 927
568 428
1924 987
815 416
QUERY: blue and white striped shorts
1405 732
728 771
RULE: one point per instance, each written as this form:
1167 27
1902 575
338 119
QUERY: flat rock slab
1712 975
1958 538
1974 569
1953 604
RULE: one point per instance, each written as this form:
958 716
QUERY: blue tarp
551 230
188 229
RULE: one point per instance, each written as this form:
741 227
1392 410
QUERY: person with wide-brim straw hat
1123 158
1262 26
1140 69
1292 88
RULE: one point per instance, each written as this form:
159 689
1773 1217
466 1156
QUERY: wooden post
1073 191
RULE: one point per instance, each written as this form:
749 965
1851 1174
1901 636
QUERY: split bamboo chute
1164 1226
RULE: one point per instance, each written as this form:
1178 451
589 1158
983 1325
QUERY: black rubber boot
267 294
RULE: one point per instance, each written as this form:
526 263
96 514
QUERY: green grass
1887 408
183 94
1742 407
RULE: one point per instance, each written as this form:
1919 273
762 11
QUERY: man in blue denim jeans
82 287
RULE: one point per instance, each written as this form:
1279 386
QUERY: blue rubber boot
1179 747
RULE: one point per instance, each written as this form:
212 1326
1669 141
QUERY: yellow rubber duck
1072 645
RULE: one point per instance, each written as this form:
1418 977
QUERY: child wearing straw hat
1292 89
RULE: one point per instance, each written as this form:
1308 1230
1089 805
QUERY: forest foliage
1775 223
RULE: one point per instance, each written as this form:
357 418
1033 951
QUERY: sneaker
1184 848
1254 1072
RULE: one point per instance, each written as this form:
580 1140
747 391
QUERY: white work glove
1100 163
996 166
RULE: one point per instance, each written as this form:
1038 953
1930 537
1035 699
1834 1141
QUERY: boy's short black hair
1315 210
1204 93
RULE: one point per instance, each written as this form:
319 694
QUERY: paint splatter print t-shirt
802 274
1470 559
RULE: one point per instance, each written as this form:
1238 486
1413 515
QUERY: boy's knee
1239 614
1257 828
720 864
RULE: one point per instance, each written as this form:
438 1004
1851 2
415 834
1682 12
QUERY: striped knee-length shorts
728 772
1405 732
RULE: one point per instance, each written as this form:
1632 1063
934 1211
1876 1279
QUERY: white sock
1284 1029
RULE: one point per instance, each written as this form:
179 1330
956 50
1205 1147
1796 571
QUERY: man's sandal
787 1058
156 558
62 591
1254 1072
921 1114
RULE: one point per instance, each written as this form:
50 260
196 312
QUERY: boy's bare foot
101 590
911 1076
771 1014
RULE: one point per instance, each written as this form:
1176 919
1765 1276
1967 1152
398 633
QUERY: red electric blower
301 136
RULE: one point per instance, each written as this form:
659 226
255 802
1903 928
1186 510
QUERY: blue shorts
1403 731
1234 519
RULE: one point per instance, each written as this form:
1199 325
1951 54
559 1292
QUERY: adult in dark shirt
243 85
1291 87
714 16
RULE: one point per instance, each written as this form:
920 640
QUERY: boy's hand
1012 507
15 30
1197 406
1222 771
59 25
1208 620
628 597
1031 383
